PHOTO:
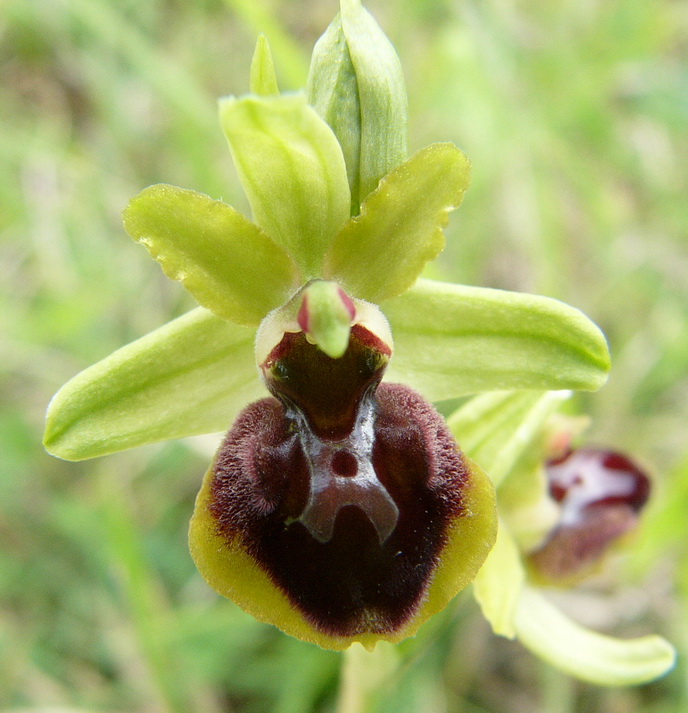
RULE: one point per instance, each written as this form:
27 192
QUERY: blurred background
574 114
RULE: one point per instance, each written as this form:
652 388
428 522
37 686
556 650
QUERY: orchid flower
561 510
338 507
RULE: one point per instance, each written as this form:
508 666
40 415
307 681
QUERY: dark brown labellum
601 493
340 488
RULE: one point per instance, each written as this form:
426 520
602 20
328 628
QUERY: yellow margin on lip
236 575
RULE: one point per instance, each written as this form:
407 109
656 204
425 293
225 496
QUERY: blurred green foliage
574 115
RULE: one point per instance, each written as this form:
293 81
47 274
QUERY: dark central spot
344 464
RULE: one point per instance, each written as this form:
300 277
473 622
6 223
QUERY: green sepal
224 260
263 80
454 340
379 254
292 170
497 429
585 654
189 377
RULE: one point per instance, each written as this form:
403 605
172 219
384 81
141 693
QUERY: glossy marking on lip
594 476
330 491
601 493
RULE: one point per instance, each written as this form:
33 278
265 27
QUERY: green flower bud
356 84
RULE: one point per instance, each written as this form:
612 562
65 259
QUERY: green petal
496 429
593 657
497 587
191 376
453 340
226 262
380 254
292 170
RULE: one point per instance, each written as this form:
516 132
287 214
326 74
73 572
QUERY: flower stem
365 674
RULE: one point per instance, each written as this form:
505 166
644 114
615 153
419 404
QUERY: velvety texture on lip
370 569
352 583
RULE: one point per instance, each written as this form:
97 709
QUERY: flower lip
600 493
358 580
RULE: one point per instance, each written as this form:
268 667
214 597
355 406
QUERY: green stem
350 699
364 675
